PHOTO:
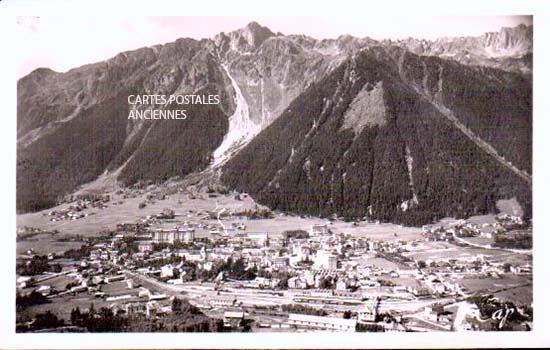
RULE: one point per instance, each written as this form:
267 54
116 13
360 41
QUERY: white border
540 336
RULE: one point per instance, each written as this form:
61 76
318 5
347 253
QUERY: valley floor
338 272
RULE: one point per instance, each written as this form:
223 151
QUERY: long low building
186 235
322 322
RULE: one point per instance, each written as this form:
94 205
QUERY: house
79 289
119 297
24 281
136 308
521 269
369 311
419 290
152 308
233 319
302 251
438 287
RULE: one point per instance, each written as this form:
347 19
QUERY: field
522 295
58 283
381 263
193 210
44 246
515 288
446 250
479 240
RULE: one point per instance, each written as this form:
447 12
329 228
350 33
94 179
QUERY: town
215 270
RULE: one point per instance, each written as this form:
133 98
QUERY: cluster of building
460 228
320 269
76 211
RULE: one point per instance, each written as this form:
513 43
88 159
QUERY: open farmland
44 246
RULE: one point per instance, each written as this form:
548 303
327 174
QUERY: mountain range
404 131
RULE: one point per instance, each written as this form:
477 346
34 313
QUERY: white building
44 290
326 260
322 322
233 318
374 245
261 239
186 235
167 271
223 301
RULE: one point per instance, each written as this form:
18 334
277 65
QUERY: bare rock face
271 70
366 109
338 108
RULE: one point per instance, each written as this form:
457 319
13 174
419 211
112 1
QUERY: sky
62 43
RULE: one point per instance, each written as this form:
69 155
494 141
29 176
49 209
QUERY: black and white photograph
294 175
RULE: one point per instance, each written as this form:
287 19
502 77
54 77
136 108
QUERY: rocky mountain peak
246 39
511 40
256 34
508 49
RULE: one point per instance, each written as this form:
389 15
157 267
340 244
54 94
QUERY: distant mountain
342 126
510 49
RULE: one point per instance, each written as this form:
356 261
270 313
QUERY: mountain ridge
265 73
310 166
